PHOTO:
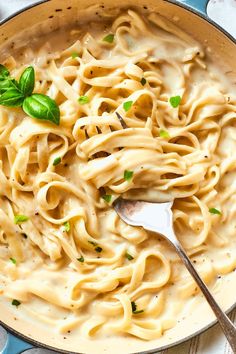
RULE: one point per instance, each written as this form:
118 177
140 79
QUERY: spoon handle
227 326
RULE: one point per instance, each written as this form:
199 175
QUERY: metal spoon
158 217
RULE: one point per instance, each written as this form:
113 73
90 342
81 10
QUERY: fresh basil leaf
4 72
43 107
27 81
7 84
11 98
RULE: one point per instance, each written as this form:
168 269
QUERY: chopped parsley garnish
134 308
215 211
98 249
93 243
129 257
143 81
16 303
66 226
109 38
175 101
107 197
127 105
57 161
18 219
164 134
128 175
13 260
74 55
83 100
81 259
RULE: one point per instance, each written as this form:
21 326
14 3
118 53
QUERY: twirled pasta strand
108 277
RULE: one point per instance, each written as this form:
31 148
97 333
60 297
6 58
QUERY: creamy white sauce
89 302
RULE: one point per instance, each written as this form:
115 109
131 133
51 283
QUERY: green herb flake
93 243
215 211
127 105
134 308
128 256
83 100
164 134
137 312
66 226
13 260
98 249
128 175
175 101
74 55
16 303
143 81
109 38
18 219
81 259
57 161
107 197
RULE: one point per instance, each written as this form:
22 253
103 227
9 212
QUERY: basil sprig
42 107
7 84
20 94
27 81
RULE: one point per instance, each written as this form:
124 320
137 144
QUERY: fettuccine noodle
73 263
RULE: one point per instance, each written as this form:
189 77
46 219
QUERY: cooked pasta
143 115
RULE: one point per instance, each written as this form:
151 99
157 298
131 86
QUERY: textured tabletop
212 341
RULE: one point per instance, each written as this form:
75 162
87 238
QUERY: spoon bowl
158 217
